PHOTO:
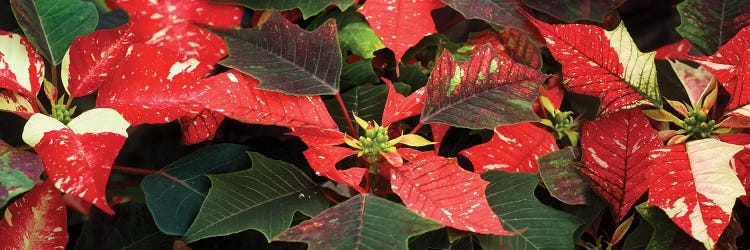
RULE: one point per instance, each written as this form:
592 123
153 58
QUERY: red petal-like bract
438 134
741 161
38 220
200 127
94 56
322 155
695 186
398 107
169 24
731 66
438 188
601 63
79 157
677 50
615 157
400 24
18 104
21 67
513 148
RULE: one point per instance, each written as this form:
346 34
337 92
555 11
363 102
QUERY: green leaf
18 172
286 58
363 222
51 25
308 7
357 73
130 228
664 230
559 171
113 19
367 102
511 196
360 39
574 10
708 24
176 193
486 91
263 198
639 237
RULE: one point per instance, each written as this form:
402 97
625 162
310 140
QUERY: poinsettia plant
381 124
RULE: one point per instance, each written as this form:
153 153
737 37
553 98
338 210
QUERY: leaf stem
40 106
417 128
137 171
346 115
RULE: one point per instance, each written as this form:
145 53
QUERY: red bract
741 161
78 157
20 105
200 127
400 24
21 67
94 57
677 50
402 107
38 220
322 156
694 184
601 63
438 188
731 66
513 148
615 157
169 24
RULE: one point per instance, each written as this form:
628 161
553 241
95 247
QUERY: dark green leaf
559 171
639 237
363 222
486 91
51 25
263 198
355 34
18 172
176 193
511 196
286 58
113 19
308 7
358 73
367 102
574 10
414 75
664 230
130 228
708 24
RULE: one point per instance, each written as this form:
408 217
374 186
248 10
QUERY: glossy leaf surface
18 172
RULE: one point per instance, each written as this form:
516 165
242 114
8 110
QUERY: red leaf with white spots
94 56
21 67
605 64
741 161
731 66
200 127
236 96
316 136
398 107
512 42
154 85
513 148
38 220
694 184
78 157
400 24
677 50
615 157
438 188
18 104
169 24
